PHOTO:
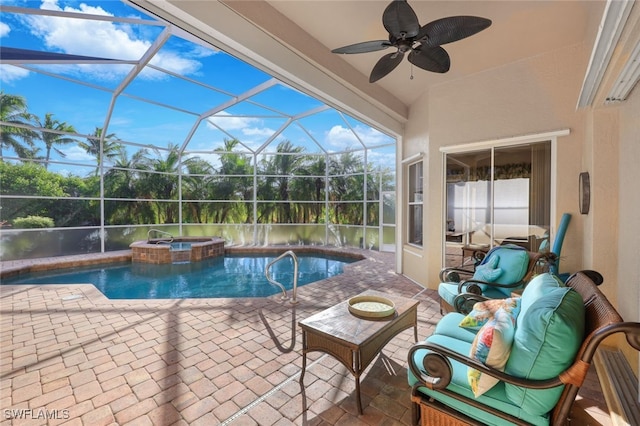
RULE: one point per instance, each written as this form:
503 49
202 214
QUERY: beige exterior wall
628 264
534 96
528 97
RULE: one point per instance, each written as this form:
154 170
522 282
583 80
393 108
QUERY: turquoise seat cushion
547 338
449 325
494 397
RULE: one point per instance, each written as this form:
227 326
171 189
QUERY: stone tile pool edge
12 268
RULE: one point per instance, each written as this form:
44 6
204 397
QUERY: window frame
551 136
415 185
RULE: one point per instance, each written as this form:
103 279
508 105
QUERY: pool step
180 253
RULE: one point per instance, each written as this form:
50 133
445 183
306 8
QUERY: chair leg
415 413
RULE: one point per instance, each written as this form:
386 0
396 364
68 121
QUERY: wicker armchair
434 401
461 288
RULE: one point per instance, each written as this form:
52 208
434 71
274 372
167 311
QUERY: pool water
228 276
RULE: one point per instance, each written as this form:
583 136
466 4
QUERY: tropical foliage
165 186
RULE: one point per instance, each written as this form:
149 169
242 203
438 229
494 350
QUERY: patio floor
69 353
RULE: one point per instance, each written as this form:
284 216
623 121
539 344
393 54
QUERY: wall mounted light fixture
584 192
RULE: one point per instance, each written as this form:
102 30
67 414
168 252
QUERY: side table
352 340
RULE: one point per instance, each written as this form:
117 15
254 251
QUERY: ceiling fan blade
364 47
400 20
434 59
385 65
453 28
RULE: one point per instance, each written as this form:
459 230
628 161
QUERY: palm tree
161 183
310 189
195 186
120 182
13 109
346 186
287 163
233 182
111 148
50 139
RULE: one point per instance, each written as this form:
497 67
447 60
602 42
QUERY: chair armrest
452 274
440 371
463 302
472 286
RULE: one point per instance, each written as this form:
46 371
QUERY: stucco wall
531 96
535 96
628 288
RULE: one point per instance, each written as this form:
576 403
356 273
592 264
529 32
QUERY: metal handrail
159 232
295 274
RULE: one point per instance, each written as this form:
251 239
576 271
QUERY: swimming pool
220 277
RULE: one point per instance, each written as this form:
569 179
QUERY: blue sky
159 108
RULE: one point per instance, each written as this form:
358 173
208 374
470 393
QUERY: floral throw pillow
492 347
484 311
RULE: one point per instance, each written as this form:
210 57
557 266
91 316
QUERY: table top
338 322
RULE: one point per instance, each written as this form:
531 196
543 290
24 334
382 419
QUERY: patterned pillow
489 271
492 347
484 311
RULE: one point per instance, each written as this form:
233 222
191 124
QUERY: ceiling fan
422 42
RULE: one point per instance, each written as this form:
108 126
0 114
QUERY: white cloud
384 159
102 39
371 136
253 135
227 122
4 29
75 153
340 137
9 73
258 131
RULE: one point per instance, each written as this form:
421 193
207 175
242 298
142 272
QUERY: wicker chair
461 288
601 321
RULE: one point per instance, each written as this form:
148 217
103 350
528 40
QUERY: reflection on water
230 276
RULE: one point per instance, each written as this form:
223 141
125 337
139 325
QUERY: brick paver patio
70 354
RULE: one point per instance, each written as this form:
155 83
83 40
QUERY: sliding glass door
494 196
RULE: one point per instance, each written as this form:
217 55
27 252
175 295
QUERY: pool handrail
159 232
295 275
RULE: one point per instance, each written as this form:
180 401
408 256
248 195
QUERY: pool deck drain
268 394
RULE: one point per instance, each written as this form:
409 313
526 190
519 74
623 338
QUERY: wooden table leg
356 374
358 400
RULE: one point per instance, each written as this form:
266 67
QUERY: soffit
520 29
308 30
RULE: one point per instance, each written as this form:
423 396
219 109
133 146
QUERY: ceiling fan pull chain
411 77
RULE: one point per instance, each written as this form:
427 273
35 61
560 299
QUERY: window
415 204
494 196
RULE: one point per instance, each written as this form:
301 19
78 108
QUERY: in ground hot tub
176 250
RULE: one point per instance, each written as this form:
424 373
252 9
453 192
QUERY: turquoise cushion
538 287
494 397
488 271
448 292
513 264
449 326
548 336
